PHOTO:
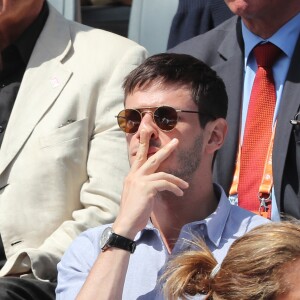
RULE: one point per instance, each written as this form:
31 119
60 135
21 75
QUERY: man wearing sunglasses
174 120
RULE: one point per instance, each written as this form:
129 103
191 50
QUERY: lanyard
265 188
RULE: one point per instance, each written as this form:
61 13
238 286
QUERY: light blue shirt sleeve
76 263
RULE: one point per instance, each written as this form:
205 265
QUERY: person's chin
165 167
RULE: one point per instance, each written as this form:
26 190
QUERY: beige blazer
63 158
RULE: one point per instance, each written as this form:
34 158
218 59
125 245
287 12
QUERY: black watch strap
121 242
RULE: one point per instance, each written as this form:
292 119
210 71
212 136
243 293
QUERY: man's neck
15 22
171 213
268 25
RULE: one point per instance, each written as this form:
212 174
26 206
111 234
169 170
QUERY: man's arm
141 189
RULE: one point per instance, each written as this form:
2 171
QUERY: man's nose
149 125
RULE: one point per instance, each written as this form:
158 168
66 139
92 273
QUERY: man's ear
216 131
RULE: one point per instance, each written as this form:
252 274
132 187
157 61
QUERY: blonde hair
253 268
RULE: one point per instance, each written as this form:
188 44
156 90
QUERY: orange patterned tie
258 128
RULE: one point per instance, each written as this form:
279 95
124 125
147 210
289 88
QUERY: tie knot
266 54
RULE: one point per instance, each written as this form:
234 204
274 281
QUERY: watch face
105 236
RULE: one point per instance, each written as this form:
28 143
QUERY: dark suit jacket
222 48
194 17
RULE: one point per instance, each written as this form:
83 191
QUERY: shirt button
2 85
1 129
202 227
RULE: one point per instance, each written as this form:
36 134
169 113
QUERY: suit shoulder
102 44
202 45
94 37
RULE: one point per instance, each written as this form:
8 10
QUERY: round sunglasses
165 117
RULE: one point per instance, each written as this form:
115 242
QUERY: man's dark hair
207 89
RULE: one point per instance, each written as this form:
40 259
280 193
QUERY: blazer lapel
44 79
289 106
231 71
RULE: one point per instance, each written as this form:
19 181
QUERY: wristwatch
110 239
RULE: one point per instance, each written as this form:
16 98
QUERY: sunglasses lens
129 120
166 118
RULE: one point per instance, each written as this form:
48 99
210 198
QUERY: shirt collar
26 42
288 32
148 227
214 223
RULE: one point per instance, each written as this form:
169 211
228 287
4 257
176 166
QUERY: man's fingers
170 178
165 185
152 164
141 155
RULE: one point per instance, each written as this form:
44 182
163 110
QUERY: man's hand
143 186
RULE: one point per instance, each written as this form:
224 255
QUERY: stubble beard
188 160
188 163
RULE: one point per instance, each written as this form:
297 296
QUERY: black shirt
14 61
